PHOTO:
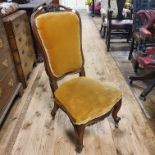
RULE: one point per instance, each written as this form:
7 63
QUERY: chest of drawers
21 43
9 83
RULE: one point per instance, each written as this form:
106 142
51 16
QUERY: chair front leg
101 28
129 35
79 129
54 110
131 49
108 37
104 31
114 113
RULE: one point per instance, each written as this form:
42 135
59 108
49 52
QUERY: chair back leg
54 110
131 48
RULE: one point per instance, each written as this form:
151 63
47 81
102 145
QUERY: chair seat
85 99
122 23
147 62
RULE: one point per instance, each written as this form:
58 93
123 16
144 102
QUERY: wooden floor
119 51
29 129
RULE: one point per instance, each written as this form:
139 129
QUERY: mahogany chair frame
79 129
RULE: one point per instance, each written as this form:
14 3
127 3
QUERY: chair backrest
59 35
147 18
141 5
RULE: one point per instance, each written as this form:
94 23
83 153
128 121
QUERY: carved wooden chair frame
79 129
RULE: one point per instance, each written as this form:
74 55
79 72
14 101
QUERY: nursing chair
83 99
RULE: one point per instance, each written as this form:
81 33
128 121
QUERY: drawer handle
11 83
1 43
5 63
0 92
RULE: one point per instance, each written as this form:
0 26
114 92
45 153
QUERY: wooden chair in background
118 26
84 100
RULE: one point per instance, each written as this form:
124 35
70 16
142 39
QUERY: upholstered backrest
147 18
61 38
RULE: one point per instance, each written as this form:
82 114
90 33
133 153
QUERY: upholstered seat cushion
85 99
147 61
123 23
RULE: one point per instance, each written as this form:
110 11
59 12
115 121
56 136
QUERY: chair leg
141 78
54 110
104 31
129 35
114 113
101 28
79 129
131 49
148 89
135 66
108 39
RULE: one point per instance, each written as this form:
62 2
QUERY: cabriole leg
114 113
54 110
79 129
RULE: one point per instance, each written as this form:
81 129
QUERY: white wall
75 4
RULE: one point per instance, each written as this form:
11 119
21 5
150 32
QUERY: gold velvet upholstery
85 99
63 48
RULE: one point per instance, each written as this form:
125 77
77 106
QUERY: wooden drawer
6 63
7 87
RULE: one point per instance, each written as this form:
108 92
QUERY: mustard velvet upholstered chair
83 99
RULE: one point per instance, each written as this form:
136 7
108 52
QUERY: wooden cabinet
21 43
9 83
